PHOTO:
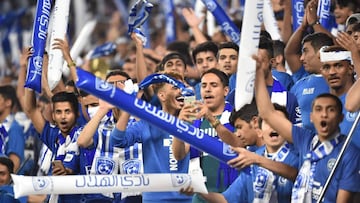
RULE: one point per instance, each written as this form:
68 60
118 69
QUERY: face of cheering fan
326 117
338 74
64 116
271 138
170 97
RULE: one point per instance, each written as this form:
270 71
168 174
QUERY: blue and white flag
227 25
149 113
298 12
38 42
169 10
323 11
137 17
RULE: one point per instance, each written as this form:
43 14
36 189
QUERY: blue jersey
157 154
63 149
305 91
300 74
346 176
15 141
232 81
242 189
347 123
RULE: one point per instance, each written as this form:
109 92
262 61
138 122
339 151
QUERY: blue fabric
284 78
7 195
242 188
305 91
347 123
298 75
16 142
157 156
346 176
51 138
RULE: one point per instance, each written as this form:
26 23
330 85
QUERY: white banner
270 22
250 33
60 24
91 184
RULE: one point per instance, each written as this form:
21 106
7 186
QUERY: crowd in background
73 127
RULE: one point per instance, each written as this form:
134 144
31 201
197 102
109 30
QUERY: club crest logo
104 166
211 6
179 180
330 164
132 166
227 150
40 183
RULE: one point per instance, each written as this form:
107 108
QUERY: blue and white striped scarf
264 185
303 184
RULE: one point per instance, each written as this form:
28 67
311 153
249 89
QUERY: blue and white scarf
67 145
230 174
265 185
303 184
136 20
4 129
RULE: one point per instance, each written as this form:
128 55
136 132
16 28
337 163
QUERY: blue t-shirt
346 176
157 154
298 75
16 138
347 123
305 90
242 189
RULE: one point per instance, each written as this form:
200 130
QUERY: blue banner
103 50
139 108
297 13
323 12
169 10
227 25
41 22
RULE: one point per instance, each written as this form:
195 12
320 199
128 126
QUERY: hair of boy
246 113
318 40
158 86
182 48
8 163
117 72
277 107
67 97
267 44
204 47
279 47
346 3
331 96
71 83
9 92
229 45
220 74
172 55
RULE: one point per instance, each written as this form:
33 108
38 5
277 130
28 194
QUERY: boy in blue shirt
273 169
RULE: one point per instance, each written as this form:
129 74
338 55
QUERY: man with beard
157 152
